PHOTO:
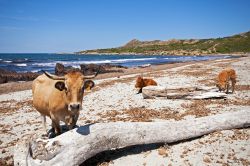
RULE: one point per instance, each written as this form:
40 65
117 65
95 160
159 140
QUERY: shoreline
30 68
14 86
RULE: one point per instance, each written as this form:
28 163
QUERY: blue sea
36 62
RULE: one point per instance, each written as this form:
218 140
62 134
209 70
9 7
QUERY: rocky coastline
87 69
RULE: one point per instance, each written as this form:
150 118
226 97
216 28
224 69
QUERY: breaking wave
21 64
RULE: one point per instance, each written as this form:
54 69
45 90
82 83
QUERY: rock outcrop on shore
9 76
88 69
60 69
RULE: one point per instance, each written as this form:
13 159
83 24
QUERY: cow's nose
74 106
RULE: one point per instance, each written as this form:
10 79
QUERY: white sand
26 121
18 96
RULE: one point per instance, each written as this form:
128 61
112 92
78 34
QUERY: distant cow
223 80
60 97
143 82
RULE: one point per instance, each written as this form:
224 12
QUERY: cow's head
221 86
73 85
139 82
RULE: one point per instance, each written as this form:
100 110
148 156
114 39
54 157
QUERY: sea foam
21 64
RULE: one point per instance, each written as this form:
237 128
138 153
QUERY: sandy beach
114 99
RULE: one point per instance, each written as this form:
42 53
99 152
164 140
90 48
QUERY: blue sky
28 26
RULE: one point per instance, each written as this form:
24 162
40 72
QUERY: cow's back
222 77
148 82
226 75
43 91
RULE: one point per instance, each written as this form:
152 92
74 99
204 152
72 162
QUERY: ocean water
37 62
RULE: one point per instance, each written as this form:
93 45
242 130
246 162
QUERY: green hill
238 44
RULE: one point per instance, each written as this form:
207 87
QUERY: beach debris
209 95
144 66
152 92
77 145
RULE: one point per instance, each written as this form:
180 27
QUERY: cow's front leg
56 126
75 118
233 85
71 120
140 91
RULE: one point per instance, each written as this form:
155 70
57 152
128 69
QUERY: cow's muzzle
74 107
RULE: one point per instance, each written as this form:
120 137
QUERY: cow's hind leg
227 87
44 123
233 85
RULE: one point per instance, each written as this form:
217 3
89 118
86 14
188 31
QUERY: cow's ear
60 85
89 84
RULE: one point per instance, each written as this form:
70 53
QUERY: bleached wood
152 92
209 95
77 145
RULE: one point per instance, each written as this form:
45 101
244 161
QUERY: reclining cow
143 82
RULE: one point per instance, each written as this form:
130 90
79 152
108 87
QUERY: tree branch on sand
151 92
79 144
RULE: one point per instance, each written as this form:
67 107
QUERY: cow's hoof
51 135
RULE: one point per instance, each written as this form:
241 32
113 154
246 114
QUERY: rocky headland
237 45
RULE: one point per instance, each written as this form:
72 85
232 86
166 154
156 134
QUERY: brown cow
143 82
223 80
60 98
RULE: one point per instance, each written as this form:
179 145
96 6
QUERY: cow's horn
54 77
93 76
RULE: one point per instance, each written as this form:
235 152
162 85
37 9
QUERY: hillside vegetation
239 43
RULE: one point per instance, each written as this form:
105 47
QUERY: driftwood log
151 92
77 145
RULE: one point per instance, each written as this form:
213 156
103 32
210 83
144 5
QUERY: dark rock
88 69
61 70
3 79
7 76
